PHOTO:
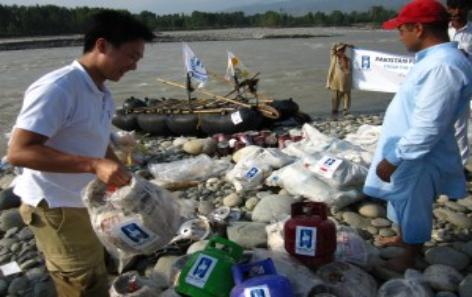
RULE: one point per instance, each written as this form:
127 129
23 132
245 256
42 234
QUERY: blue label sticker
135 233
305 241
259 291
201 270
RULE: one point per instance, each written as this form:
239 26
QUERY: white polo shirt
66 106
463 36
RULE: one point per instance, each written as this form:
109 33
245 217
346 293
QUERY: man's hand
385 169
111 172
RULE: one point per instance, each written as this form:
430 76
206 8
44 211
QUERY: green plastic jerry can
208 272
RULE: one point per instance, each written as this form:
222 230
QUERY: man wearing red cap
417 157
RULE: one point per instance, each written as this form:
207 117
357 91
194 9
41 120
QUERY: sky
156 6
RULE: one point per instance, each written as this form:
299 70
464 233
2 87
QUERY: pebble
232 200
8 199
251 203
458 219
455 206
465 287
10 218
442 277
355 220
372 210
466 202
380 223
447 256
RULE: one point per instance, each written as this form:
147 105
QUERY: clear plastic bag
136 219
131 284
199 168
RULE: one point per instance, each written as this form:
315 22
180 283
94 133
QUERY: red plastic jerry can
309 235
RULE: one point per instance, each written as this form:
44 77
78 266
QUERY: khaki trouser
73 253
336 97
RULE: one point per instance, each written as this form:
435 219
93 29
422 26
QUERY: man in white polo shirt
460 31
61 138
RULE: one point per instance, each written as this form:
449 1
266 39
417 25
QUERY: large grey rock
465 287
272 208
442 278
248 234
404 288
19 285
10 218
44 289
8 199
3 287
447 256
445 294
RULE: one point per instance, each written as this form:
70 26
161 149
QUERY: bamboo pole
266 110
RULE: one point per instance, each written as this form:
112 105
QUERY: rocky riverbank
443 269
172 36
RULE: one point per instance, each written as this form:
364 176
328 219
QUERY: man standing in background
460 31
339 79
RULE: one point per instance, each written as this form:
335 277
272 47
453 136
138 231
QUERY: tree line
53 20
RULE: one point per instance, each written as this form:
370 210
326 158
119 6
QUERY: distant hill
302 7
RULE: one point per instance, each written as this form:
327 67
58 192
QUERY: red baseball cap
418 11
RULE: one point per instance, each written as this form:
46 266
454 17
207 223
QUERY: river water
289 68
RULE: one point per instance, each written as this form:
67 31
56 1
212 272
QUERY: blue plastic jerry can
259 279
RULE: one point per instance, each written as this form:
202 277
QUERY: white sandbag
251 171
131 284
199 168
316 142
135 219
335 171
298 180
366 137
244 152
313 141
303 280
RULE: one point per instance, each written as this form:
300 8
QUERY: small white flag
194 67
235 68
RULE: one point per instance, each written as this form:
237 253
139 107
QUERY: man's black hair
461 4
115 27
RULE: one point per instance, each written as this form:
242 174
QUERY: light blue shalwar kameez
418 137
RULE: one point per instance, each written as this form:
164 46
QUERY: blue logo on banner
365 62
306 236
258 293
202 268
134 232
